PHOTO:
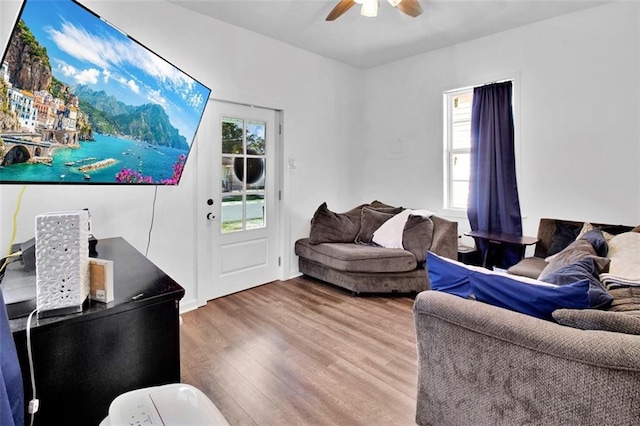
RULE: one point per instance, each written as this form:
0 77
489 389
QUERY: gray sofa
483 365
366 268
550 235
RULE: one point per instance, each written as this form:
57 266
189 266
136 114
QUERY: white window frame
447 152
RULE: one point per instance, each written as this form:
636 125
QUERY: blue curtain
493 193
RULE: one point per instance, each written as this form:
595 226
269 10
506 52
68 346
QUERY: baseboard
294 274
188 305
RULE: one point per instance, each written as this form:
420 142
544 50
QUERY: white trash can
168 405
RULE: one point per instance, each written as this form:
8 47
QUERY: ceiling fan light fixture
369 8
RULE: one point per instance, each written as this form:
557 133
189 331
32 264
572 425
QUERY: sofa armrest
480 364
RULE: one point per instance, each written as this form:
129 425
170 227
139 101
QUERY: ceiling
392 35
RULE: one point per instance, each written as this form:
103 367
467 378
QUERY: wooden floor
302 352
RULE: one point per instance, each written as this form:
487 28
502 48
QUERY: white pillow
624 251
389 234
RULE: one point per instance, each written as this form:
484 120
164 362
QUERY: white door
238 207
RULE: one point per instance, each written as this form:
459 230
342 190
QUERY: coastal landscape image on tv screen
81 102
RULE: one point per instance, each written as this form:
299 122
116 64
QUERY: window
457 139
243 194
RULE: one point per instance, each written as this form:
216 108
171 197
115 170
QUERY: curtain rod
462 89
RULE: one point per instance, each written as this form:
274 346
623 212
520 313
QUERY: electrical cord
15 228
153 215
34 403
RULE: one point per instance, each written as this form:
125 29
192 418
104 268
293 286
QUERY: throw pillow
583 269
575 251
411 230
593 319
624 251
520 294
565 234
385 208
380 205
586 227
448 276
389 234
370 220
417 236
531 299
608 231
597 240
330 227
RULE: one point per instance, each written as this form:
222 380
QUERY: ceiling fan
370 7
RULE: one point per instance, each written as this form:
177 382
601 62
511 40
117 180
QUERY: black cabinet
83 361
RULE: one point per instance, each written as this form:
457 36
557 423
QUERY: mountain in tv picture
148 122
29 68
29 65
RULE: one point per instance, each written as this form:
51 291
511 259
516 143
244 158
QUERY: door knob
210 202
210 216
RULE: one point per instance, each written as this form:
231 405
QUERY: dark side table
83 361
499 239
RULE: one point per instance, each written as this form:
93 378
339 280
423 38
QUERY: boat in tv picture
82 102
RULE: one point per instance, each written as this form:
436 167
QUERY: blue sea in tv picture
75 165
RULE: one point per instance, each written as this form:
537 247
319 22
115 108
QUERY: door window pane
256 167
232 135
232 213
255 211
230 182
255 137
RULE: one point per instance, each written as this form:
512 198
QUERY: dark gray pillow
565 234
582 269
370 221
597 241
330 227
385 208
593 319
417 236
577 250
379 204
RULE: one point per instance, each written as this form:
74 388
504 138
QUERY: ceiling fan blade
340 8
410 7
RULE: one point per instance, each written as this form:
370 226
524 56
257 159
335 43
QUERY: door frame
201 194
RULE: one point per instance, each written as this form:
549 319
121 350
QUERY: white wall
321 100
579 137
578 132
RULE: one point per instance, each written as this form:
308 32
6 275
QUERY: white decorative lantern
62 262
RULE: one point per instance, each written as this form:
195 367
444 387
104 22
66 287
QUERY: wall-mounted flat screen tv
82 102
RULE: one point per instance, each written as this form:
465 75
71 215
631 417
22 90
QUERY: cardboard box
101 280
